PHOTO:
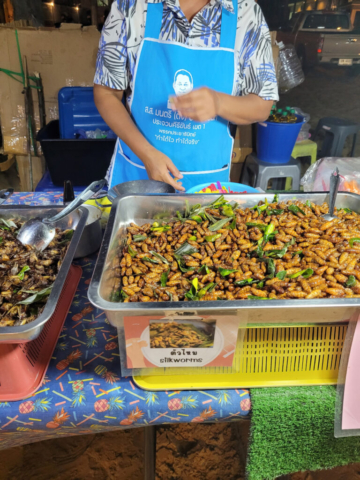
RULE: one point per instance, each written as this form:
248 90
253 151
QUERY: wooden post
94 19
9 11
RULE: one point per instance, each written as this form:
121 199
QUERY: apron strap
228 27
153 20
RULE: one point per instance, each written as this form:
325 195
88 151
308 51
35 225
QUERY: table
87 394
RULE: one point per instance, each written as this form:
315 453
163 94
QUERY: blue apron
201 151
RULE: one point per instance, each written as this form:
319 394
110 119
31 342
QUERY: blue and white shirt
125 27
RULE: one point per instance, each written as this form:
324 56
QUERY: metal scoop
334 187
38 233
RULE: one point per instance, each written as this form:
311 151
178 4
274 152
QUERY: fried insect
26 275
282 250
180 335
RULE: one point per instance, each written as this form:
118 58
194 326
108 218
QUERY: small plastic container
275 141
235 187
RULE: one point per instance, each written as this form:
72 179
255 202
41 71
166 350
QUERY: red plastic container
23 365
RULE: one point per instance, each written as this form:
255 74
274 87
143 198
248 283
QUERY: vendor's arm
204 104
110 106
110 82
255 80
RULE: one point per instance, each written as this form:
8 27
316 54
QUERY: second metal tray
76 220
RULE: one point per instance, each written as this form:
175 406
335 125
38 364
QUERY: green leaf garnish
148 259
37 297
139 238
254 297
160 257
296 209
212 238
346 210
185 249
164 277
224 272
131 252
218 225
21 274
281 275
307 273
8 223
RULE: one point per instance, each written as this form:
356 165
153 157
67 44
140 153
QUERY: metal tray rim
128 308
7 332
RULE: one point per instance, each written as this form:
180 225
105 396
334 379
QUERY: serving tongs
334 187
38 233
5 194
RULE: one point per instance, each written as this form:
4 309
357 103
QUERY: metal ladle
38 233
334 187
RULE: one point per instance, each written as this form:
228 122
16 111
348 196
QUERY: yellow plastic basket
268 357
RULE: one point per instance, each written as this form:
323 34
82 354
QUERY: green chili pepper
353 240
261 226
304 273
268 231
212 238
21 274
192 238
351 282
131 251
156 224
203 291
227 210
162 229
224 272
139 238
296 209
196 218
346 210
276 198
218 225
281 275
164 277
308 203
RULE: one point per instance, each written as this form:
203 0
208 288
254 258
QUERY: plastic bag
305 129
317 176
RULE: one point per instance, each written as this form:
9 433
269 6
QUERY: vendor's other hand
159 167
200 105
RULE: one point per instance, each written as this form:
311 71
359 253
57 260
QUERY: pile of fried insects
26 275
220 251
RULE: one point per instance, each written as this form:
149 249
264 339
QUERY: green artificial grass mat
292 429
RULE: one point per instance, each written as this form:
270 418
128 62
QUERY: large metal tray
142 208
75 220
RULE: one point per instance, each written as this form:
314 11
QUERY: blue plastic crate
77 111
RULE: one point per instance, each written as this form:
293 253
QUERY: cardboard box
38 169
235 172
63 56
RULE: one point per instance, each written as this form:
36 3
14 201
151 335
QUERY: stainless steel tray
75 220
142 208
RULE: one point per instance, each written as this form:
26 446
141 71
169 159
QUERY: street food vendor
186 69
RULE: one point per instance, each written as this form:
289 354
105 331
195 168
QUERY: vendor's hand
159 167
200 105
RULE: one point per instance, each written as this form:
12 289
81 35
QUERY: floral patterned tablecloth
83 391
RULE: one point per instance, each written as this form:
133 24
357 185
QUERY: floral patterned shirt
125 27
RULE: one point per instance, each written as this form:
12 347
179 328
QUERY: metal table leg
150 453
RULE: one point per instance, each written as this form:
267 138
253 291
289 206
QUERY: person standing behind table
188 68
